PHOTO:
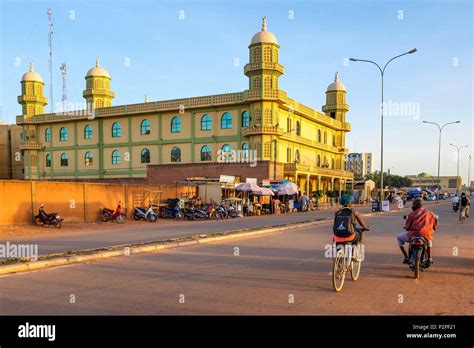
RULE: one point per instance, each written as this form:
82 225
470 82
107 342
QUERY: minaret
263 69
32 97
336 106
98 92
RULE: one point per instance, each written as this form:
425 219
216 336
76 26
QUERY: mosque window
226 148
257 83
29 89
63 136
99 103
267 54
319 135
226 121
206 123
325 137
176 154
257 55
268 84
116 130
64 160
318 161
176 125
333 140
333 114
288 155
31 110
245 119
268 116
33 160
206 153
145 156
288 125
256 147
145 127
88 159
48 160
245 150
332 163
267 150
258 116
116 157
88 132
297 156
47 135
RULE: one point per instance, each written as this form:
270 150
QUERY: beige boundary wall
75 201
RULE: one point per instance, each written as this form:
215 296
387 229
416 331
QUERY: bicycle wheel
339 270
356 262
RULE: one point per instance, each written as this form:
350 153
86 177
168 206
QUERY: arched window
88 132
288 155
175 154
226 148
226 121
333 140
257 83
268 83
267 54
145 127
245 119
64 160
288 125
298 128
47 135
116 130
245 150
206 153
145 156
63 134
318 161
319 135
326 163
88 159
176 125
115 157
206 123
33 160
325 137
48 160
297 156
332 163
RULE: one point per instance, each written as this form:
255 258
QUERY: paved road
52 240
269 270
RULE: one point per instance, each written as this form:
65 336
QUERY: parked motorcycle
172 212
47 219
111 215
225 212
148 215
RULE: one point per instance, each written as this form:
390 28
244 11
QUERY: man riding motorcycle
420 223
465 203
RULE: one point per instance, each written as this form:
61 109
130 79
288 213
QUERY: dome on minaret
264 36
97 70
32 75
336 85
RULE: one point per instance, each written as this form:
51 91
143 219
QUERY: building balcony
332 107
293 168
258 130
346 126
263 66
32 98
31 145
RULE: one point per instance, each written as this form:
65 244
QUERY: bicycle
348 259
462 214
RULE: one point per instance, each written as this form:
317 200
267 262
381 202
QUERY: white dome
97 70
32 75
264 35
336 85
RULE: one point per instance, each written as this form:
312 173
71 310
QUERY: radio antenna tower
63 69
50 34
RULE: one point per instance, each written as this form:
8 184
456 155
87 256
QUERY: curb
126 250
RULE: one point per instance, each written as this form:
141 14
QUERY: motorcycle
172 212
148 215
48 219
111 215
225 212
455 207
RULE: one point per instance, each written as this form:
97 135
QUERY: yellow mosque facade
109 142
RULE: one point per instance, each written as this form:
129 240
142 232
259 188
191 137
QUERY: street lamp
275 153
469 174
439 150
459 149
382 71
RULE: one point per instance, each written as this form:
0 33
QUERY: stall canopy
254 189
289 188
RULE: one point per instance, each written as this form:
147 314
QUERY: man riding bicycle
465 203
420 223
345 222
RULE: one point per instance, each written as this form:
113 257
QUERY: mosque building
181 138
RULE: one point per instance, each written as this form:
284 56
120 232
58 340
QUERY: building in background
11 161
184 137
427 181
360 164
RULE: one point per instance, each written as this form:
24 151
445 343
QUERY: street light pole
382 72
439 151
457 176
469 174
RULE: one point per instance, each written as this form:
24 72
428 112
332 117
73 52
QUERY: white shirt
455 199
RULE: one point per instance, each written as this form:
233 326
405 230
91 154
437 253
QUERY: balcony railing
31 146
256 130
294 167
264 65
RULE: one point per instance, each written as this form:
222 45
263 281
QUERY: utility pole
63 69
50 43
469 174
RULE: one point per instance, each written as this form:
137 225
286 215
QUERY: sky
176 49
